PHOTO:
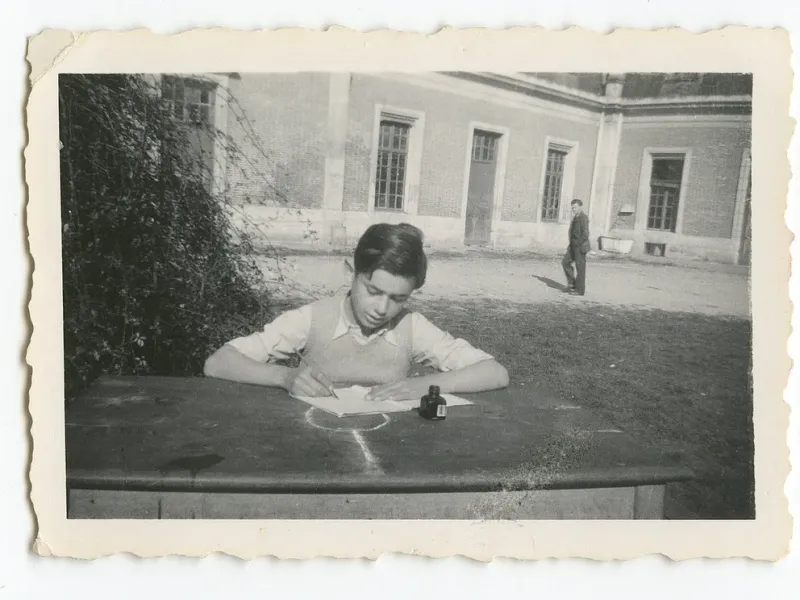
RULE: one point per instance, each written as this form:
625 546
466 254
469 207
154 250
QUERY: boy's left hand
407 389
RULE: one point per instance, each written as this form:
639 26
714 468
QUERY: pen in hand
318 374
315 372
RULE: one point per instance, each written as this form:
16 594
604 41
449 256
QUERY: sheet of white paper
350 401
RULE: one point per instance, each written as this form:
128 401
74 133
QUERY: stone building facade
659 160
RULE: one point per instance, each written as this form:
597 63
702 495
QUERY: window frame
416 121
666 185
219 84
643 202
397 131
189 82
745 179
567 182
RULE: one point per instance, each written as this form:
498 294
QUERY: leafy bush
154 276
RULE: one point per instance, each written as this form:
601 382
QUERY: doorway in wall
480 191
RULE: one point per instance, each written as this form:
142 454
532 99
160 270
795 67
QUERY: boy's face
576 209
378 299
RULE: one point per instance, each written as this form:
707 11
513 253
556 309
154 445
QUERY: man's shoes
574 292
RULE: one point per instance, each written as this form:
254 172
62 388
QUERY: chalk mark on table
309 419
373 466
372 462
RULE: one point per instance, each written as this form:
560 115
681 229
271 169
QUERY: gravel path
702 288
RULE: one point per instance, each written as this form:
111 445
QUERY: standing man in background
576 252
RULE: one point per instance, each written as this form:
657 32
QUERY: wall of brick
447 118
279 122
710 196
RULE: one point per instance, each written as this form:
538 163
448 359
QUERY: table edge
305 483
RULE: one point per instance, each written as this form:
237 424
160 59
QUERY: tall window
665 192
553 183
392 168
188 100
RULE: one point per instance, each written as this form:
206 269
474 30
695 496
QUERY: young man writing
367 337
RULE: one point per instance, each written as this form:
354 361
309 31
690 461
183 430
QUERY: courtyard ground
699 287
661 350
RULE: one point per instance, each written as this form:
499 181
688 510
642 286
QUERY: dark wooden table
160 448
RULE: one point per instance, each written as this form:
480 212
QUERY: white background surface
22 575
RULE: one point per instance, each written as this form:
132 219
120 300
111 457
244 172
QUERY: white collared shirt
289 332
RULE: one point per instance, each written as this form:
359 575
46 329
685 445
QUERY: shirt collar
346 322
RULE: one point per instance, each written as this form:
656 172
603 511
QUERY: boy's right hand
304 381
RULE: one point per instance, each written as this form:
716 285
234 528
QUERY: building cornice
729 105
492 93
531 86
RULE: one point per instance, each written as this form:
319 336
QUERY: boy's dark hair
577 201
396 249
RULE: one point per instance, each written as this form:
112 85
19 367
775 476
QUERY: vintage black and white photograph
499 294
450 295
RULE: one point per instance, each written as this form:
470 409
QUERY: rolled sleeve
436 348
280 339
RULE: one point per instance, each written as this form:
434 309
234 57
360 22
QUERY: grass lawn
679 380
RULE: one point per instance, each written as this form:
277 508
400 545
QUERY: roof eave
545 90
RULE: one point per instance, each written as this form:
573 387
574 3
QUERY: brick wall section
710 197
447 117
284 163
289 116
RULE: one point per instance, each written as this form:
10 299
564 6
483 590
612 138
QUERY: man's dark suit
576 252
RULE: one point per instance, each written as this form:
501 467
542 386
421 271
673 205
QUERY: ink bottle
432 406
